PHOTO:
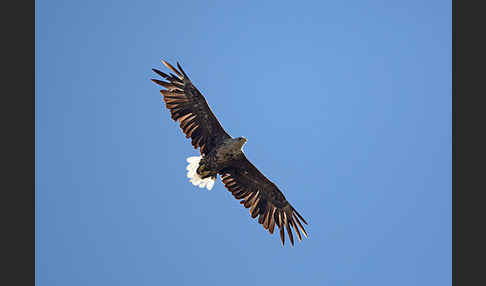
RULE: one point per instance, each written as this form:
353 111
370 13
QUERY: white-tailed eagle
221 154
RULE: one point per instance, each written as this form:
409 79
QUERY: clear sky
346 106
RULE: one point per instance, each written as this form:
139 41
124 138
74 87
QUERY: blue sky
346 106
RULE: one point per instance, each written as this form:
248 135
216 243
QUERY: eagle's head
240 141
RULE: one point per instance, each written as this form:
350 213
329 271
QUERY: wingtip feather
173 69
180 68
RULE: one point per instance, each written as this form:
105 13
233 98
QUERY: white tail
194 176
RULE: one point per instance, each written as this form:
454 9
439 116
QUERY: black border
18 138
468 143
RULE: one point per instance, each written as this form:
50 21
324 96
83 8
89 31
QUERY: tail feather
196 180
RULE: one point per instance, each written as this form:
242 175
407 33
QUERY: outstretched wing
263 198
189 107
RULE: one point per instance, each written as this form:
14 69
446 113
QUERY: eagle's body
202 170
221 154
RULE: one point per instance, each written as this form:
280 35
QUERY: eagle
221 154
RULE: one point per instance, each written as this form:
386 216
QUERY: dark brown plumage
246 183
190 109
264 199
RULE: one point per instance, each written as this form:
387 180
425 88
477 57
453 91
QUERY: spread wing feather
263 198
189 107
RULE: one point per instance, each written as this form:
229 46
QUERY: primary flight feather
221 154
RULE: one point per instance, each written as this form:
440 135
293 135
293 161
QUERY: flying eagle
221 154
